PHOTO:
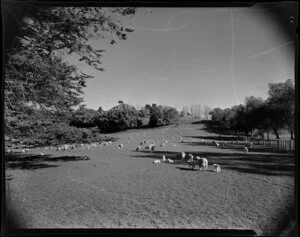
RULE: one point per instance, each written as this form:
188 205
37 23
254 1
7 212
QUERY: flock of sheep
202 163
149 145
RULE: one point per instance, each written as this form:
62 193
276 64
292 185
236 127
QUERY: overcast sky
183 56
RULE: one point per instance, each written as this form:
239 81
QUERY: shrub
118 118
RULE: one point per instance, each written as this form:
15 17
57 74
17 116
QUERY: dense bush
160 115
84 118
120 117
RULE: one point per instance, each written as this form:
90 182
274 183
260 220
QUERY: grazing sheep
190 161
181 155
245 149
202 163
217 168
138 148
191 157
152 148
156 162
170 161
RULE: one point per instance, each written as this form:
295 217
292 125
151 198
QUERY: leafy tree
36 77
216 114
282 103
206 111
118 118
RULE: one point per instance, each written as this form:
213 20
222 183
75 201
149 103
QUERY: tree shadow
264 164
33 162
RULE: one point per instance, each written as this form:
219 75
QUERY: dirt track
122 188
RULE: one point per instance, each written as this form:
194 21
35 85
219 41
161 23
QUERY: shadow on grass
264 164
217 138
32 162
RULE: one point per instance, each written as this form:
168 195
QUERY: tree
216 114
206 111
36 77
34 70
281 101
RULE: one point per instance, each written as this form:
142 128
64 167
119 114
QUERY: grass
106 187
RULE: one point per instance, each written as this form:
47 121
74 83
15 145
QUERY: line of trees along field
275 113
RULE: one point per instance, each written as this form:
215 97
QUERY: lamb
217 168
170 161
202 163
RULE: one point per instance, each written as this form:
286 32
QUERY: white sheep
170 161
181 155
202 163
156 162
217 168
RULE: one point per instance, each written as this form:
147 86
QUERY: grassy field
105 187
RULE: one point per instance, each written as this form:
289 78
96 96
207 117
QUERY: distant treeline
262 116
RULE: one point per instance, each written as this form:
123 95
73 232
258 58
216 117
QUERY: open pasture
116 186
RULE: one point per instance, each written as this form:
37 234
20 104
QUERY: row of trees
272 114
123 116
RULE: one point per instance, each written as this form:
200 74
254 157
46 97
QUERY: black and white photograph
150 117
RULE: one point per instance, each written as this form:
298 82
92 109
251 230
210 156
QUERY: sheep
245 149
152 148
170 161
42 153
181 155
217 168
202 163
138 148
156 162
191 161
23 151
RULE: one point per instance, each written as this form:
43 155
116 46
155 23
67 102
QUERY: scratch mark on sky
272 49
231 58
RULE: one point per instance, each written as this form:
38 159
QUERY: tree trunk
276 133
292 134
